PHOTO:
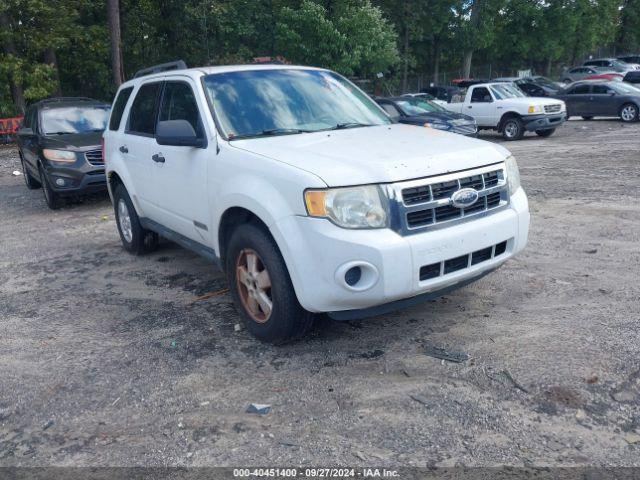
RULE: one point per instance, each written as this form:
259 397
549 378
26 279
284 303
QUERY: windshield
418 106
624 88
64 120
546 82
502 91
274 102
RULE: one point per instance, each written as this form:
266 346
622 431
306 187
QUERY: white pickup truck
299 186
503 107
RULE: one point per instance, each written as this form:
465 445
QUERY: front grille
555 108
94 157
429 205
438 269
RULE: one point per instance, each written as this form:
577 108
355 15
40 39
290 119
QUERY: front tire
545 133
135 239
512 129
261 287
50 196
629 113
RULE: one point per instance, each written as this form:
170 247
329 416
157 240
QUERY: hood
444 117
380 154
532 101
73 141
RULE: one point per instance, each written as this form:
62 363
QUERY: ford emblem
464 198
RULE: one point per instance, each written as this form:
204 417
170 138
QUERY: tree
628 39
472 34
353 38
113 16
9 62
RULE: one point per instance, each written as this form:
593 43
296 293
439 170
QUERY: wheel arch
232 218
505 116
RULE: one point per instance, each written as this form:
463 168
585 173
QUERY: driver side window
481 95
179 103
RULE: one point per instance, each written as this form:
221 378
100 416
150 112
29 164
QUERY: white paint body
268 176
489 114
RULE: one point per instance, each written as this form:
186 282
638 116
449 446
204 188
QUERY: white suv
302 190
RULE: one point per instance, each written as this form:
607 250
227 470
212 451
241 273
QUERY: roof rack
163 67
67 99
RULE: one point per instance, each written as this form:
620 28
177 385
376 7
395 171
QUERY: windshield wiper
343 126
270 132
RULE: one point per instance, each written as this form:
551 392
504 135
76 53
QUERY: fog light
60 182
357 276
353 276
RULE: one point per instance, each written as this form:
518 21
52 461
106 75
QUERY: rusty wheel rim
254 285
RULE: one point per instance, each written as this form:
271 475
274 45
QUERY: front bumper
544 121
76 178
318 254
469 129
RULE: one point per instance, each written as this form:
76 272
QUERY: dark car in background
60 147
425 113
537 86
442 92
591 98
632 77
630 58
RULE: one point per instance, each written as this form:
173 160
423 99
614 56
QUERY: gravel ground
112 360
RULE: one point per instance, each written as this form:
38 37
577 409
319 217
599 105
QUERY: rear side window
601 89
179 103
142 117
580 90
118 108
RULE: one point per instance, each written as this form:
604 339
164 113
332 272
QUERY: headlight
536 109
513 175
437 126
62 156
351 207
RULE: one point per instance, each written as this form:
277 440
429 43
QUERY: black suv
60 147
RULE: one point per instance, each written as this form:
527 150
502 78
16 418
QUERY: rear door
603 101
577 100
138 146
180 187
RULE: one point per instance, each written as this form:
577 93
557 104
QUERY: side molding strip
200 249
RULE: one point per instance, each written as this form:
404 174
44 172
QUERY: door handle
158 158
124 149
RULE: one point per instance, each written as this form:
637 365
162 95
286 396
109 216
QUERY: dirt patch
124 367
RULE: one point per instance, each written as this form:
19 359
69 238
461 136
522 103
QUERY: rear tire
261 287
512 129
50 196
135 239
29 180
545 133
629 113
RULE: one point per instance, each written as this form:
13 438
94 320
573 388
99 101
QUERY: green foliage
355 40
358 38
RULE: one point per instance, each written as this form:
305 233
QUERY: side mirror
178 133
